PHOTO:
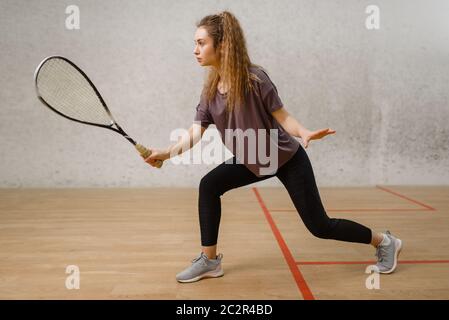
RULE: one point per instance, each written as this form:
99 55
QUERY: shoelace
380 252
204 258
201 256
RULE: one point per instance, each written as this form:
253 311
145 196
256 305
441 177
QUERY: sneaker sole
397 251
209 274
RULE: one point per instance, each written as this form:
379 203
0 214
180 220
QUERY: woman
239 95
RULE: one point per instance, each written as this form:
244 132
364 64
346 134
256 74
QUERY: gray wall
384 91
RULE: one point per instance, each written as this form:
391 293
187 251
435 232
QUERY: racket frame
113 122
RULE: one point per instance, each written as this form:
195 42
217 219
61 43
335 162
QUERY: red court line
355 210
425 206
297 275
406 198
368 262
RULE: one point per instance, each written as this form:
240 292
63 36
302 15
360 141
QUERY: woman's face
204 49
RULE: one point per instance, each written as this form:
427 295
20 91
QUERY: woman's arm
185 143
290 124
293 127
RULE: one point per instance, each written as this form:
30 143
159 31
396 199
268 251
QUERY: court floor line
406 198
368 262
424 207
299 278
297 275
356 210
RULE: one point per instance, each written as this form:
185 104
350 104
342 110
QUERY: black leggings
297 176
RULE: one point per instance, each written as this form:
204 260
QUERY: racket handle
144 152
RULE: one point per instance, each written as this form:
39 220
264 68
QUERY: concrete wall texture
385 91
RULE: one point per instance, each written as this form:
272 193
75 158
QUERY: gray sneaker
387 256
201 267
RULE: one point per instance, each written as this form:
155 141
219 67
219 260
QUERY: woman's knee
323 230
318 232
206 183
210 185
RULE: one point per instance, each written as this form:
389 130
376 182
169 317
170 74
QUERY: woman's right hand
157 156
154 157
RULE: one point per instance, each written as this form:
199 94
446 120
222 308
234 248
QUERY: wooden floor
130 243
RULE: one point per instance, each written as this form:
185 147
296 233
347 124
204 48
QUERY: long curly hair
229 40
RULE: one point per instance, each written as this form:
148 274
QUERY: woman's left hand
314 135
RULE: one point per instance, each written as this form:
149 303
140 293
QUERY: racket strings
66 90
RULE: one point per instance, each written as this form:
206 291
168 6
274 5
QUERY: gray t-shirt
255 115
